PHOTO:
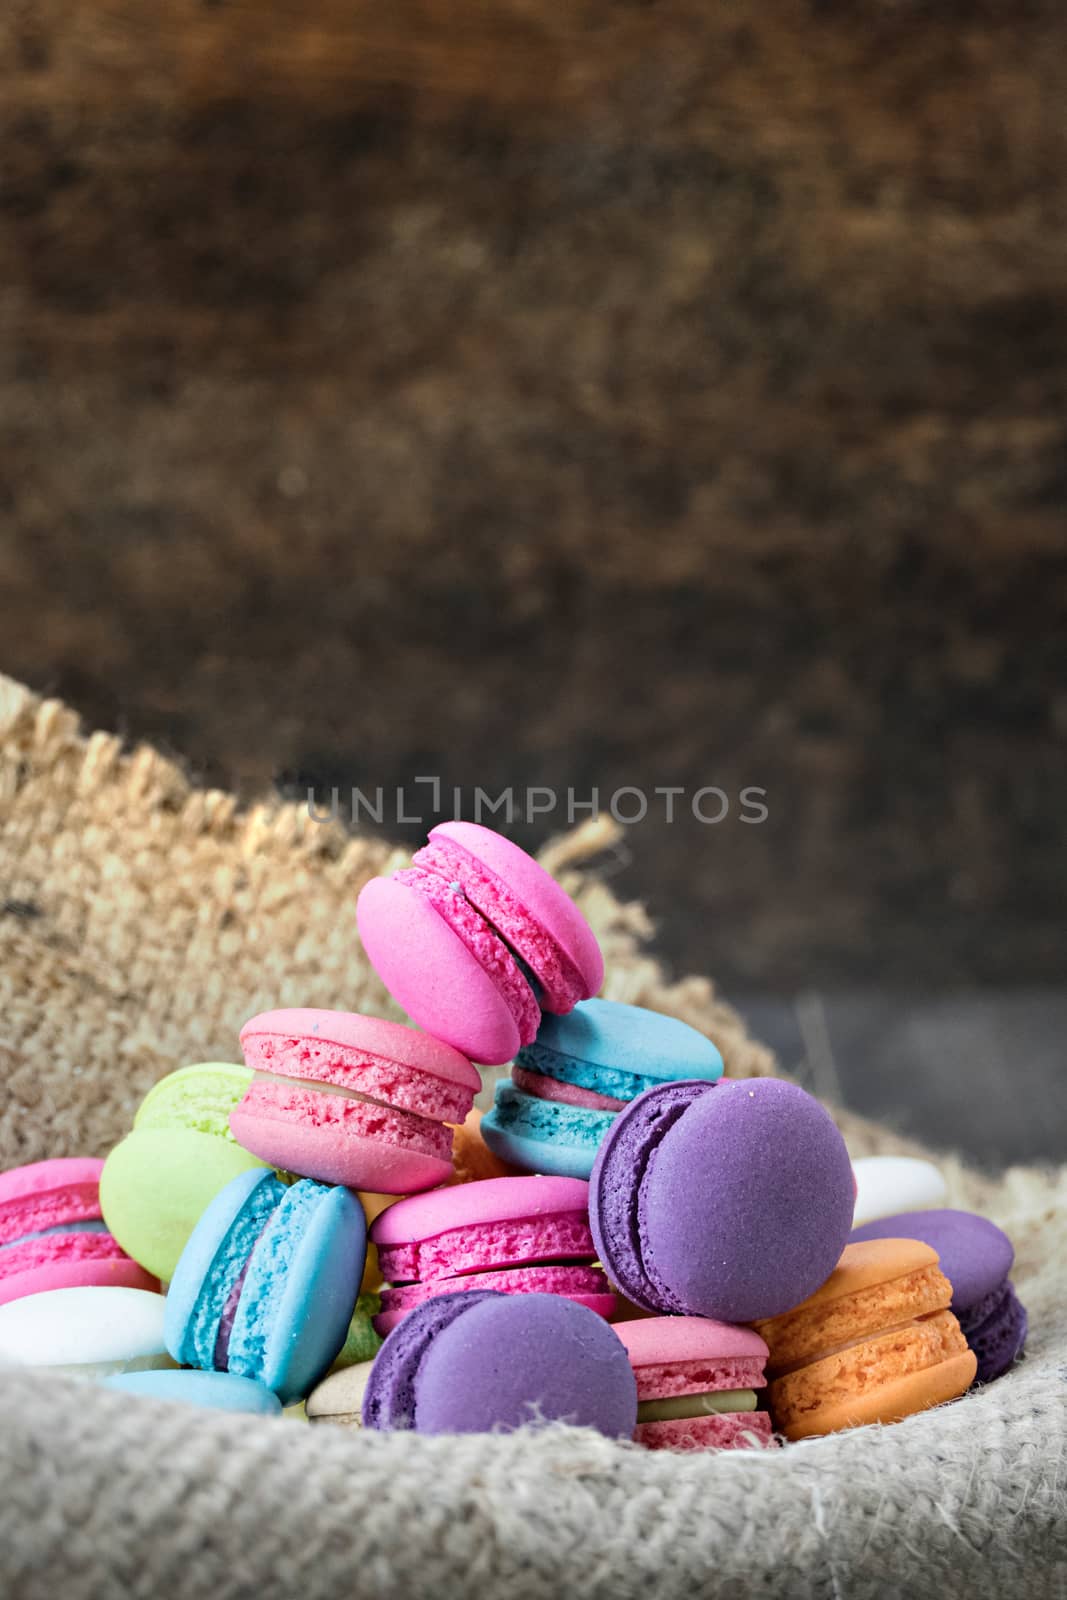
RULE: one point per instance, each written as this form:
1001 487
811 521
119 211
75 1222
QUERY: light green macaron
180 1153
362 1343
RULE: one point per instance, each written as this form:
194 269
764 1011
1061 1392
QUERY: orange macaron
877 1342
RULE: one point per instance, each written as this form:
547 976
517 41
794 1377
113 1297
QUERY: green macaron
168 1169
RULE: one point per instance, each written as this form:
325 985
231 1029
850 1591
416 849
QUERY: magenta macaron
351 1099
511 1235
696 1384
52 1235
475 939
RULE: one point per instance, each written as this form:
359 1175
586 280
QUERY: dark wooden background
608 393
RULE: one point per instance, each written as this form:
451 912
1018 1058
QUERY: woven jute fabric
141 921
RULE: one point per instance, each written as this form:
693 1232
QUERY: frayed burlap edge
141 921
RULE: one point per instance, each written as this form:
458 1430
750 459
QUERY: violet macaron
351 1099
730 1200
475 939
479 1362
976 1257
512 1235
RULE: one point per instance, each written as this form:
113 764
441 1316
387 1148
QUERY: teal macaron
569 1085
213 1391
267 1284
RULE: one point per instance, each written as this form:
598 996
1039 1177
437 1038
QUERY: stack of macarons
53 1234
626 1241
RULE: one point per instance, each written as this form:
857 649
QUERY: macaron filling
542 1087
324 1105
86 1225
678 1408
206 1334
560 981
265 1279
52 1248
619 1086
344 1069
483 942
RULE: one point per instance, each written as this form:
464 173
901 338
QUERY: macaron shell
891 1400
886 1185
215 1391
544 1136
730 1430
337 1140
214 1252
498 1200
975 1255
996 1331
389 1399
615 1188
301 1037
745 1203
625 1039
541 896
525 1360
81 1268
338 1399
85 1331
584 1284
658 1341
432 975
197 1098
490 1246
880 1285
46 1193
157 1184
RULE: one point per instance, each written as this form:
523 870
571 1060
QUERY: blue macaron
569 1085
215 1391
266 1286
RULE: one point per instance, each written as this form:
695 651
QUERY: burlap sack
140 922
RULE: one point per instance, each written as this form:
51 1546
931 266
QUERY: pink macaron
352 1099
52 1235
475 939
696 1383
514 1235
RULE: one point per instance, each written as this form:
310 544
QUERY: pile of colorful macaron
627 1241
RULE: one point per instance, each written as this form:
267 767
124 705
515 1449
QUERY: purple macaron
976 1257
479 1361
730 1200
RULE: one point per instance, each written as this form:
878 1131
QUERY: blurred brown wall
632 393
